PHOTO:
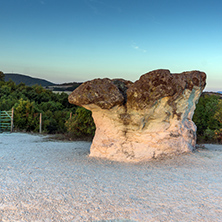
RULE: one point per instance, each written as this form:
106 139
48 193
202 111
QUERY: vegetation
2 76
81 124
208 118
30 101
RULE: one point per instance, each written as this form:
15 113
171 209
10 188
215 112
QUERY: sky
79 40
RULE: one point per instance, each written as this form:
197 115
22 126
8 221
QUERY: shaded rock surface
146 119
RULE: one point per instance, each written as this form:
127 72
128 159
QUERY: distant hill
29 81
64 87
212 93
220 92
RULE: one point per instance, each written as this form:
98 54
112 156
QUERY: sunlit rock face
147 119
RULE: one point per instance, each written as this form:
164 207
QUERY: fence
6 120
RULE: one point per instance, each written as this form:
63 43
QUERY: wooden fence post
12 119
40 123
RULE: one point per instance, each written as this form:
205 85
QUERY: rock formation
146 119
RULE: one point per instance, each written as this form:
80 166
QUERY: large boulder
147 119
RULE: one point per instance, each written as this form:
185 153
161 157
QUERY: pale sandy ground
43 180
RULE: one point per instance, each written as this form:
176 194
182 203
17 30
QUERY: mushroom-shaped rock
143 120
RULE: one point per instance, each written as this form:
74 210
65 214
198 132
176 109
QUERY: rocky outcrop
146 119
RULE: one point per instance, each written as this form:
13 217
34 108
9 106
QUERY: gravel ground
43 180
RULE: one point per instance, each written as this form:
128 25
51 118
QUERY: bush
218 135
208 118
26 116
209 135
81 124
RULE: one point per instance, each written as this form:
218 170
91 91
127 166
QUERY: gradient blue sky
79 40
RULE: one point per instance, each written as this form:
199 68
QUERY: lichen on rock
143 120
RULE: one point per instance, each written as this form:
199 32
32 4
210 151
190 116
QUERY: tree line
29 101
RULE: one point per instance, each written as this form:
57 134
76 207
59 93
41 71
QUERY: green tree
218 113
205 117
26 115
81 124
7 102
2 76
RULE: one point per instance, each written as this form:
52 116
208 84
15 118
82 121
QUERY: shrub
218 135
81 124
208 117
26 115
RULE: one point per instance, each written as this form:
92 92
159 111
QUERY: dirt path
43 180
